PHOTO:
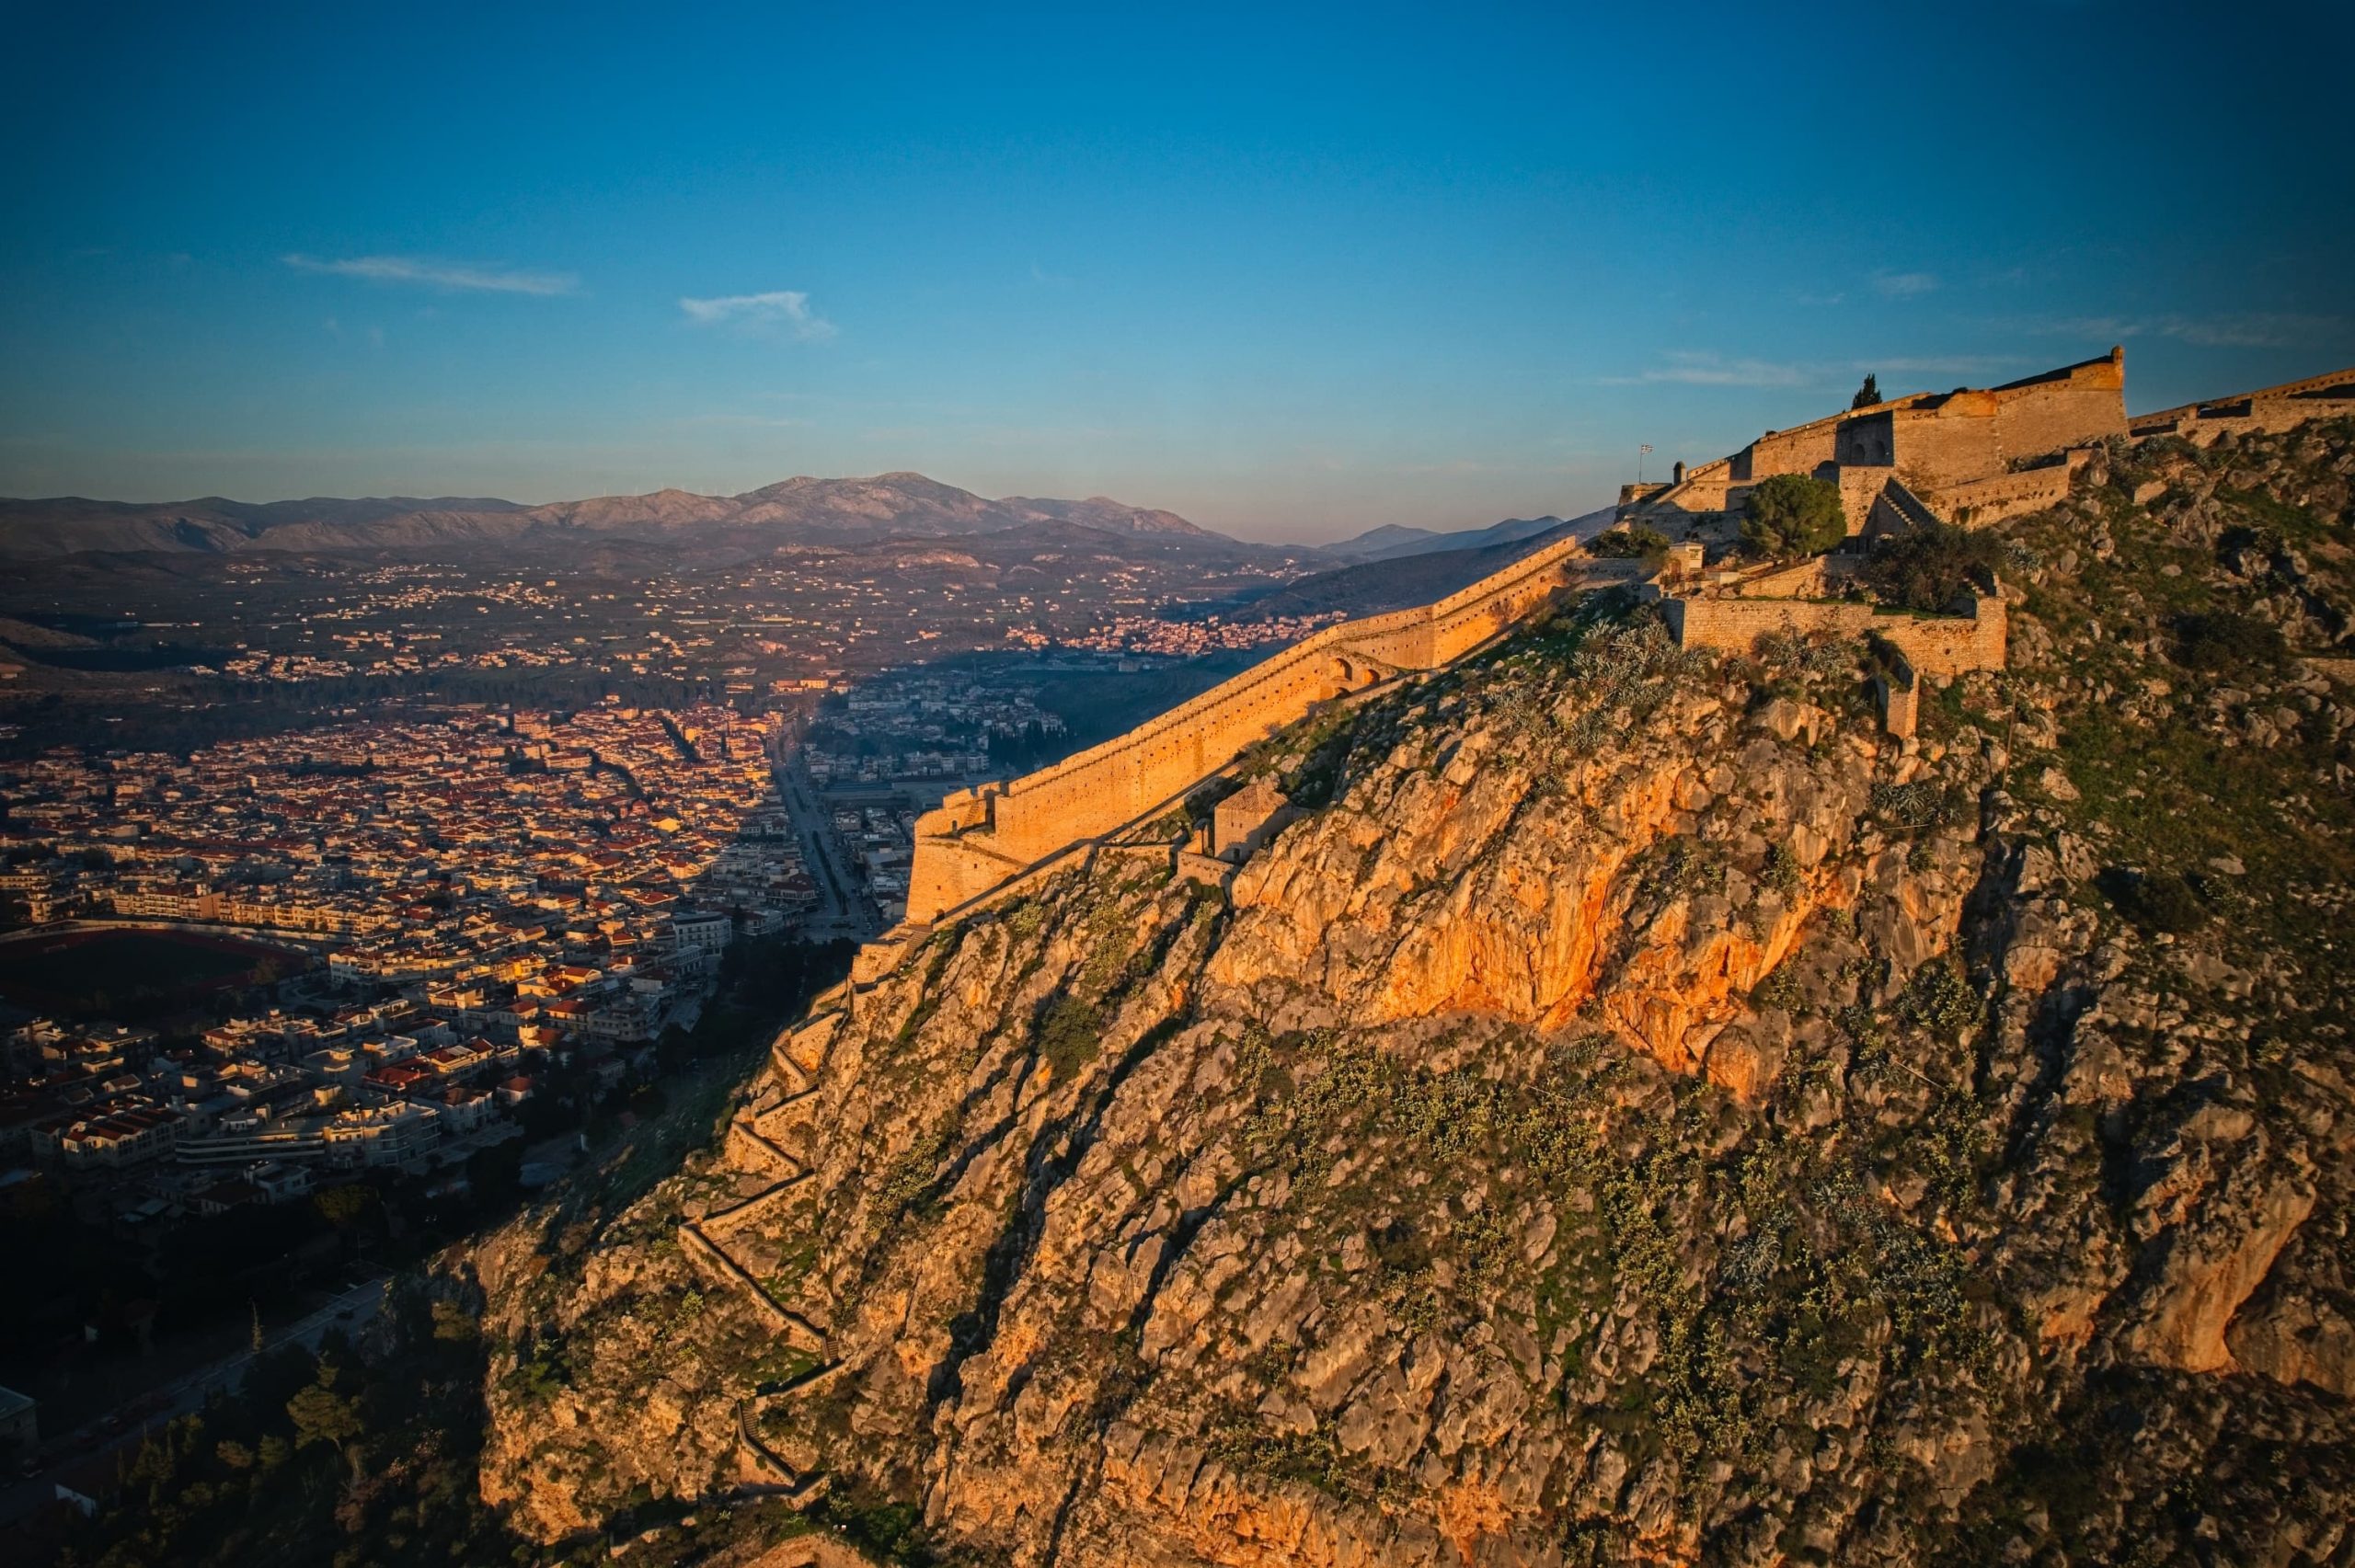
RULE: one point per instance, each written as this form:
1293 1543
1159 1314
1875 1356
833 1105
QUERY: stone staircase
796 1057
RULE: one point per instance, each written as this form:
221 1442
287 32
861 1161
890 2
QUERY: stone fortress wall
977 839
1951 448
2270 409
1933 645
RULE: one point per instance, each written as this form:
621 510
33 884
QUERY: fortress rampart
978 839
2268 410
1935 440
1933 645
1957 450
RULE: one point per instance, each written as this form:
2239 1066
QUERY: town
455 906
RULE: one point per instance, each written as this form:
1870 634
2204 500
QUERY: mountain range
795 510
802 510
1391 541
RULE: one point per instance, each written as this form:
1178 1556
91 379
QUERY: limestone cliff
1637 1113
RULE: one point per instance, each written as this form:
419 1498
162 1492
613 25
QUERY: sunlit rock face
1637 1111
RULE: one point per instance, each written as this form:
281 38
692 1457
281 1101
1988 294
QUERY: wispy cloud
1903 285
746 421
2261 330
779 313
438 274
1712 370
2248 330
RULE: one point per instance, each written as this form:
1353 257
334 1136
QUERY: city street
844 907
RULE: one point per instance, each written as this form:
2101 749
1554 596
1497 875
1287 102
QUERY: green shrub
1929 569
2159 900
1637 542
1070 1034
1939 998
1793 515
2223 643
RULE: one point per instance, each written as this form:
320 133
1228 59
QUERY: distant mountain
1390 542
796 510
1394 580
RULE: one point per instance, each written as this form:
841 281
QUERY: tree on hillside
1636 543
2223 643
1792 515
1929 569
1867 394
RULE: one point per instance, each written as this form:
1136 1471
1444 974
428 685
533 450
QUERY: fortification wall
1941 439
2087 406
1818 577
2270 409
977 839
1868 437
1801 449
1859 488
1971 436
1980 501
1957 437
1935 645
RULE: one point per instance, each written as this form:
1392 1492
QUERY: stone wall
1933 645
2268 410
1966 436
976 840
1982 502
1942 439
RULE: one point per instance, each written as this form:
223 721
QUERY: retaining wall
2010 495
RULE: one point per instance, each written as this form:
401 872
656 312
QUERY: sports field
135 976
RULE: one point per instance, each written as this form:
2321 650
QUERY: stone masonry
1935 443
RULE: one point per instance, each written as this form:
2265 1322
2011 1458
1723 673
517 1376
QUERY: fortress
1963 456
1970 455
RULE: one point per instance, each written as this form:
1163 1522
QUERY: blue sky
1291 272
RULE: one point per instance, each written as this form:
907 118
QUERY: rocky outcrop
1639 1112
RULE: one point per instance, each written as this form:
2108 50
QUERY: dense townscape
1185 638
479 893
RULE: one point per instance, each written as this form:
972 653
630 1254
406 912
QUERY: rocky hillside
1639 1113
